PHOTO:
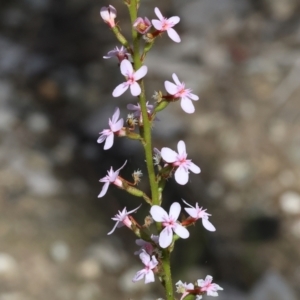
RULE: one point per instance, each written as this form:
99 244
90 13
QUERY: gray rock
60 251
89 291
89 269
272 287
38 122
110 257
8 266
290 202
12 56
199 14
237 171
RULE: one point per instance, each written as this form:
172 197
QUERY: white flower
147 272
111 177
180 161
164 24
169 221
122 219
178 90
183 288
199 213
131 79
115 125
208 287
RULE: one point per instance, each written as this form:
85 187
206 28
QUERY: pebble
290 202
89 291
60 251
8 266
38 123
42 184
89 269
272 286
237 171
112 258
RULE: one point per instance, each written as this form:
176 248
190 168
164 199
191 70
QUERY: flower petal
158 13
193 97
116 115
135 89
173 35
145 258
194 168
117 126
109 141
149 277
174 20
174 211
181 176
126 67
116 225
207 225
139 275
181 147
121 167
120 89
165 237
158 213
104 190
181 231
101 138
168 155
192 212
170 87
140 73
187 105
157 24
176 80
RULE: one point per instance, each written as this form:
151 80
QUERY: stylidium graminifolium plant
161 229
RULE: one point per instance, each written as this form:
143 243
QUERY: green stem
145 132
167 275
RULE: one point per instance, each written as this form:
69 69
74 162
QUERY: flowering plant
155 250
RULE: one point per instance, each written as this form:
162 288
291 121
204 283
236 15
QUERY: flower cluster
157 235
199 288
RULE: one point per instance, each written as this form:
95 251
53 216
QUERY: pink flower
199 213
208 287
119 53
142 25
137 111
180 161
178 90
170 223
145 246
122 219
164 24
147 272
108 14
131 79
115 125
183 288
111 177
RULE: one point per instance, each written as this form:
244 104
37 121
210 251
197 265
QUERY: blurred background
242 57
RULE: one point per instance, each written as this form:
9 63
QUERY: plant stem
146 130
167 275
146 134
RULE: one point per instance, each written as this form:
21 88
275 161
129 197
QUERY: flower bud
142 25
108 14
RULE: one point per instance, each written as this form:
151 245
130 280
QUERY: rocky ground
241 57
